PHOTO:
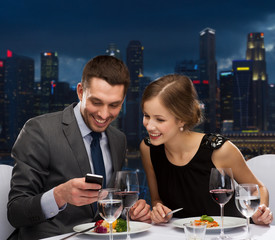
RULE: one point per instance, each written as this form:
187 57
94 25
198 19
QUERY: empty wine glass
127 182
221 188
110 206
247 199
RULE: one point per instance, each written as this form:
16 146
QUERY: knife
76 233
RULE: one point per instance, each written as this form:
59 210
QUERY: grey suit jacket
50 151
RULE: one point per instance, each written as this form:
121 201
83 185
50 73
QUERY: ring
270 213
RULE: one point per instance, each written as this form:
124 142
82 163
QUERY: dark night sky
168 30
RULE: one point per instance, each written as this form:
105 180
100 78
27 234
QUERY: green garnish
121 225
206 218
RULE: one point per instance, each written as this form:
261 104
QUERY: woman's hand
158 213
263 216
140 211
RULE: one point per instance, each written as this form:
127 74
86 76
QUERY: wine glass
247 200
110 206
127 182
221 188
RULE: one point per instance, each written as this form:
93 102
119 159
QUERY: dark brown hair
178 94
109 68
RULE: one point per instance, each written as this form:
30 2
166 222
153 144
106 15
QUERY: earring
181 129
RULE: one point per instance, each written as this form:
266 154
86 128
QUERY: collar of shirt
82 125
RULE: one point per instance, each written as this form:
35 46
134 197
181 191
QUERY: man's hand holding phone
93 178
75 191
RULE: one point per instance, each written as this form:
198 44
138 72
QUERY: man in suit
52 154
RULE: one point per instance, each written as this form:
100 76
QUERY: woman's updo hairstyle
178 94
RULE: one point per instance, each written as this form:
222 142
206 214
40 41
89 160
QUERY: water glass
110 206
247 201
194 232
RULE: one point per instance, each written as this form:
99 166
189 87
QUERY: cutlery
174 211
76 233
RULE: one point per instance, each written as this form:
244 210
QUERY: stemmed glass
110 206
247 199
221 188
127 182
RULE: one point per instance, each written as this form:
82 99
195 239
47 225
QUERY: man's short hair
109 68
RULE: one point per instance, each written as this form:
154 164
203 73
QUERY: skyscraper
112 50
135 65
226 96
62 97
271 108
209 73
189 68
19 84
256 51
49 77
194 70
242 95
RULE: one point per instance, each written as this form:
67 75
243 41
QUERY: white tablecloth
168 231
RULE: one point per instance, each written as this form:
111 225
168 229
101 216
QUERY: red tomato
98 223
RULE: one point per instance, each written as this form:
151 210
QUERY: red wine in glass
221 188
127 182
221 196
129 198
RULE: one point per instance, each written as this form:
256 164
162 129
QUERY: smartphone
93 178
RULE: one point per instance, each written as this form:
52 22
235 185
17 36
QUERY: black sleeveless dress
188 186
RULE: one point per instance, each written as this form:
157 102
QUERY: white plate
135 227
228 222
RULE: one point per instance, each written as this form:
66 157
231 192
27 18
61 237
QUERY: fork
174 211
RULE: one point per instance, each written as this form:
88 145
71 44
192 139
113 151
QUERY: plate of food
213 223
119 227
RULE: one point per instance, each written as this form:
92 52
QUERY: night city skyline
169 32
53 130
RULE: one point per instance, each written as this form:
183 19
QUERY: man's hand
140 211
76 192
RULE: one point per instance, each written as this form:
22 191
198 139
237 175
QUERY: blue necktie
97 157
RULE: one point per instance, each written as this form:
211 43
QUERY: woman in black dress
178 161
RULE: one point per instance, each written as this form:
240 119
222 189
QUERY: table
168 231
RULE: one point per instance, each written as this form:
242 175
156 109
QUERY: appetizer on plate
205 220
119 225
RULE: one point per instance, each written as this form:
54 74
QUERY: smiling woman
178 161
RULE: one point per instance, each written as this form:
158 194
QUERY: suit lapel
113 149
73 135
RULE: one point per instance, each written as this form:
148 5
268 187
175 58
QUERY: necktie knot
96 135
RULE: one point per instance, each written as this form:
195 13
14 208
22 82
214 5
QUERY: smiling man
52 154
100 103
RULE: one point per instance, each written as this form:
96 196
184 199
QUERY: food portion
209 221
119 225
